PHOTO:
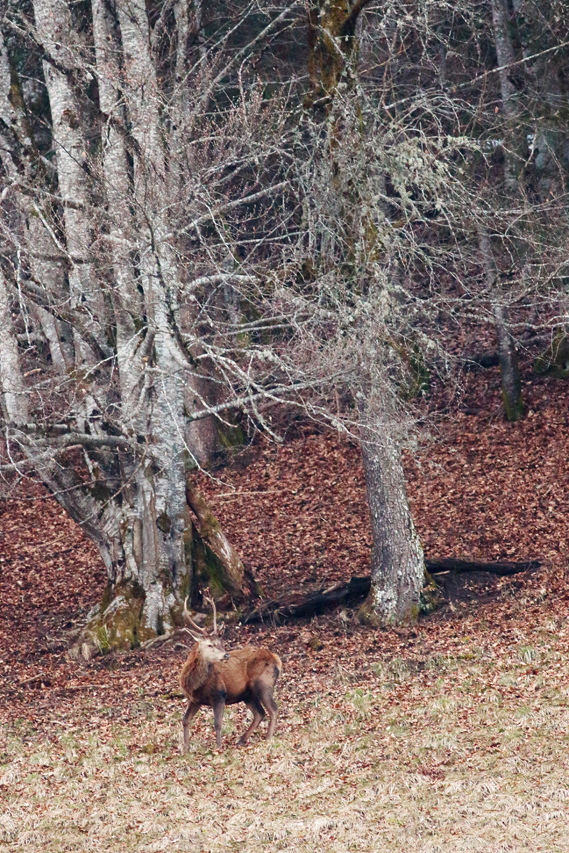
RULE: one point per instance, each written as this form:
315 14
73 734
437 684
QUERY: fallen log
482 359
296 605
435 567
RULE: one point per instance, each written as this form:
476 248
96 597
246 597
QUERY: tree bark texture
331 43
514 144
515 159
509 367
397 565
12 385
507 354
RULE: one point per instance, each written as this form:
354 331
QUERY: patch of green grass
527 654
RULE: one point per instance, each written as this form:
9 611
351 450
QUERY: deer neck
195 671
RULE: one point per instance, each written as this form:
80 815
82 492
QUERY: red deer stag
212 677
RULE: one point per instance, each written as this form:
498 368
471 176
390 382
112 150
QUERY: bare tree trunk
39 241
397 566
507 353
12 388
505 54
53 22
514 163
130 500
509 367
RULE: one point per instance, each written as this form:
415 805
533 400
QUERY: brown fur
247 675
194 671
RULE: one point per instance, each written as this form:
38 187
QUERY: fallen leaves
432 732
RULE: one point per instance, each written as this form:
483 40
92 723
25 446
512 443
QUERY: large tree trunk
150 573
397 565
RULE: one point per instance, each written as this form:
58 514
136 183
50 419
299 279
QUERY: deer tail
277 667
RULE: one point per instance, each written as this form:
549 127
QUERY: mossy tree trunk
130 379
331 42
154 559
215 562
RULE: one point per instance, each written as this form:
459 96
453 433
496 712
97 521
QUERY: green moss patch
117 624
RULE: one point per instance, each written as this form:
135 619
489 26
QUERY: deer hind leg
188 717
264 693
258 716
218 710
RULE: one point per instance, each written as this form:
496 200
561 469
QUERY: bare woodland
212 212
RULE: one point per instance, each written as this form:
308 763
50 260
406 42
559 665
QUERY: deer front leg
191 712
218 709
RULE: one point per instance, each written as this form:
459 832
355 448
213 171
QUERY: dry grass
465 750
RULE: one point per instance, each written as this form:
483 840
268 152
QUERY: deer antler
209 599
201 631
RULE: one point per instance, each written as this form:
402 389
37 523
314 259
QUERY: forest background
212 215
231 233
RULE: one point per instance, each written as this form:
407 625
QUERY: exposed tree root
296 605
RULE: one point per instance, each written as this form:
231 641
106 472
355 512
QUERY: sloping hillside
447 735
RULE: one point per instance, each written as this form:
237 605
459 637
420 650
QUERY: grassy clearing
467 750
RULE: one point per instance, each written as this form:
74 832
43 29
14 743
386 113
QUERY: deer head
210 646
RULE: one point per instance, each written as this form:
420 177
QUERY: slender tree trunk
514 163
507 353
39 243
397 564
53 21
12 388
509 367
505 54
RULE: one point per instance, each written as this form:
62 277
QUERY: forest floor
451 735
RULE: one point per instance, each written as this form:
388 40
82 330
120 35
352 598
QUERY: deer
211 676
